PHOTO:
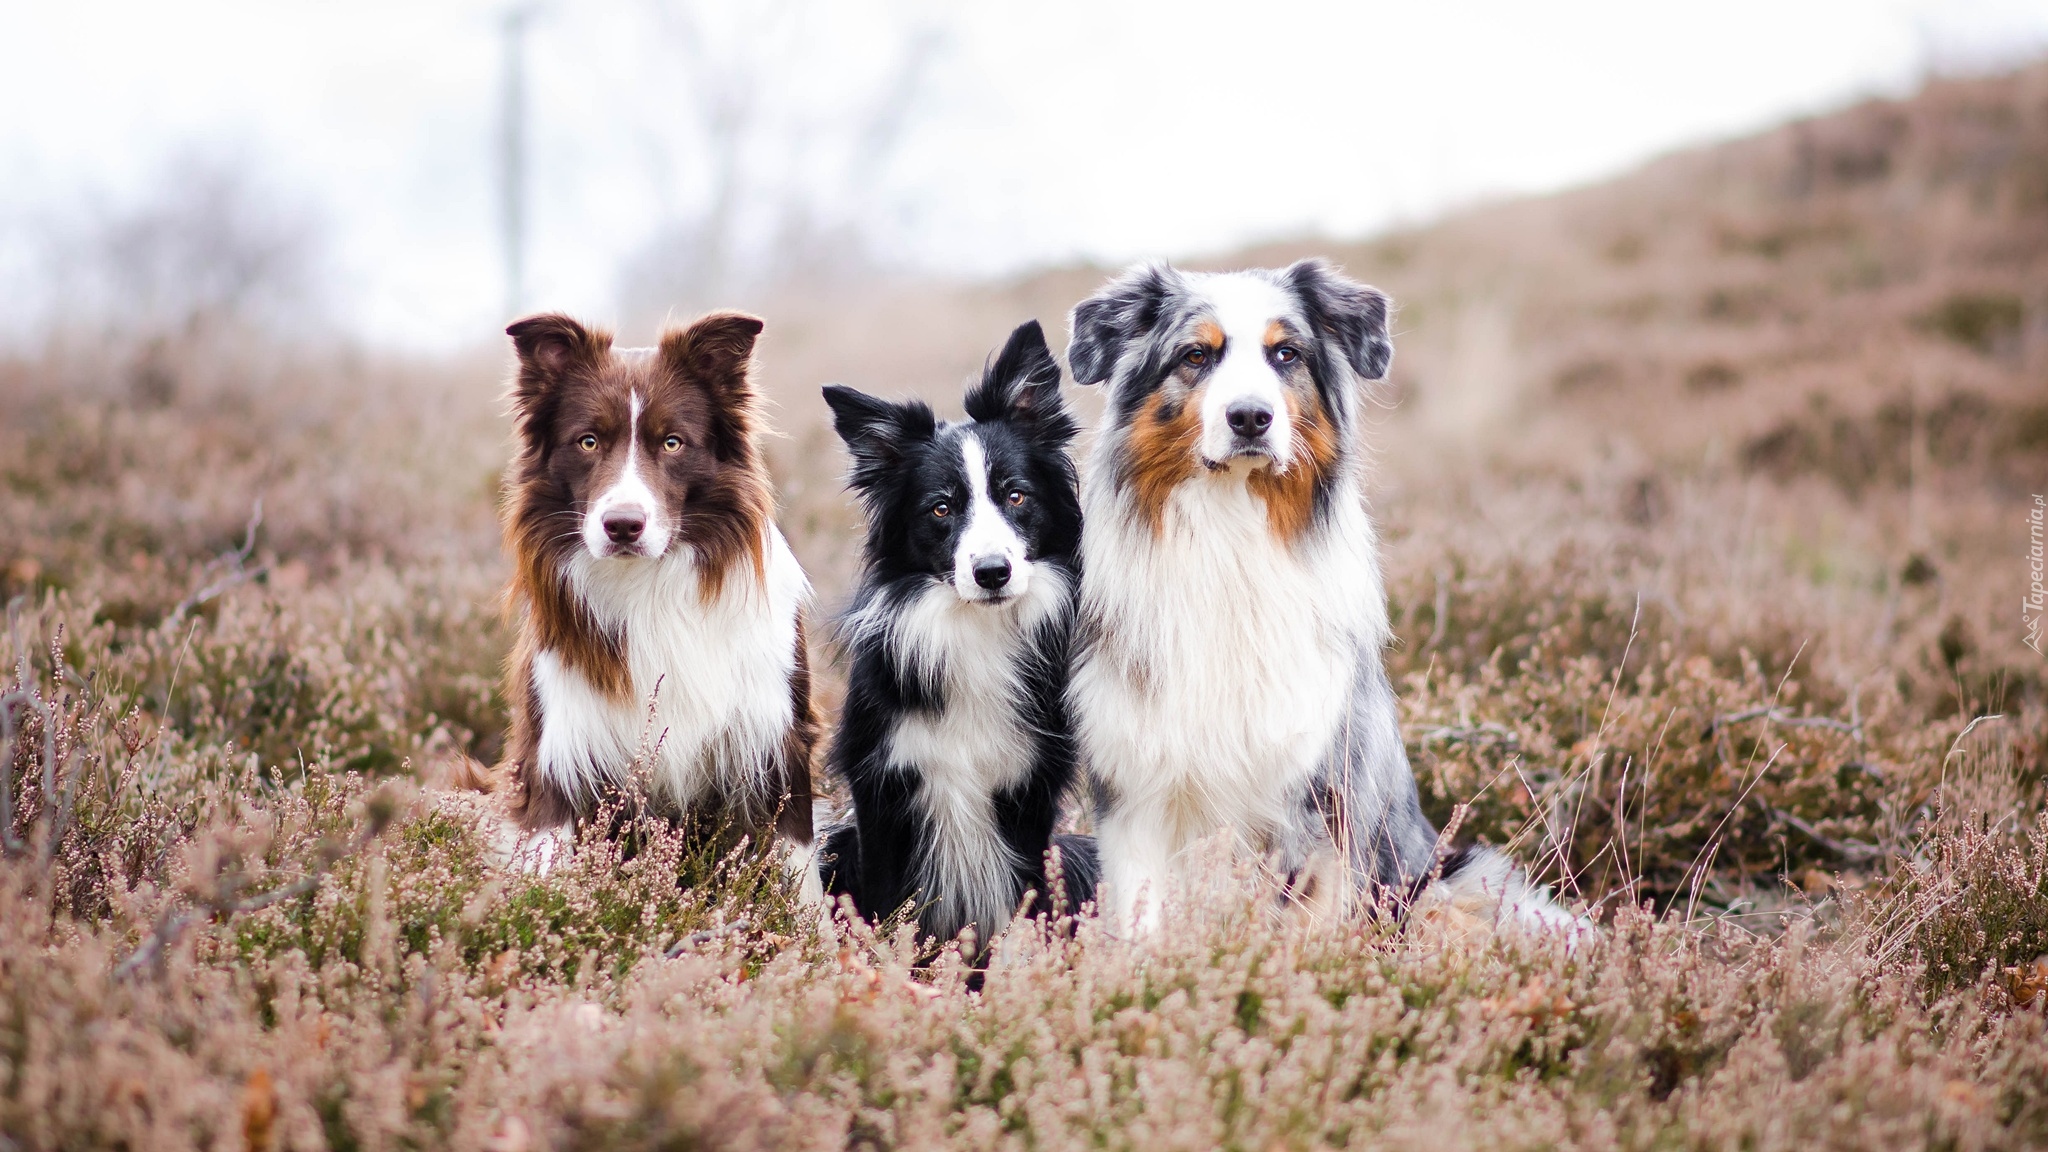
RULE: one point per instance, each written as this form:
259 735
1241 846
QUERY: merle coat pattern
1229 677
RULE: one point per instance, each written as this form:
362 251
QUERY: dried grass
1735 711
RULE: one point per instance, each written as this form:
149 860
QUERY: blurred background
402 173
1721 379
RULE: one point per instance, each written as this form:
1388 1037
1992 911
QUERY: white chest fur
976 745
1223 658
717 671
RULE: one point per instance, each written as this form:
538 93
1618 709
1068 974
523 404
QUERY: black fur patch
1130 333
905 462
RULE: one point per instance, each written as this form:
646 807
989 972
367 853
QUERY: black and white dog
955 742
1228 674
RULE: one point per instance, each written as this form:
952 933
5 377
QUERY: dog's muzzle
1251 424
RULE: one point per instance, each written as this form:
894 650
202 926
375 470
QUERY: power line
512 150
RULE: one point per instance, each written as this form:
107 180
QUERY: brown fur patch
1290 496
728 518
1161 454
714 488
1209 334
468 774
535 801
559 622
793 818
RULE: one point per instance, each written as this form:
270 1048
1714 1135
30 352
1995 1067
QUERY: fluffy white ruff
972 748
718 673
1223 663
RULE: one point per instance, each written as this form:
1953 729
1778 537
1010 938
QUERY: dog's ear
714 352
550 347
1022 385
1351 314
1105 324
877 432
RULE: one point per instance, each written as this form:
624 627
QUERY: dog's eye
587 442
1016 497
672 443
1286 354
942 509
1195 357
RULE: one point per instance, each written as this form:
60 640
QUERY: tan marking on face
1209 334
1162 454
1290 496
1276 333
730 501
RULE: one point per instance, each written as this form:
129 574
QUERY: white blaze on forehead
987 534
630 492
1244 306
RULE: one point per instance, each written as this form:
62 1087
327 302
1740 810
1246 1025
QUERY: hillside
1704 494
1891 255
1857 298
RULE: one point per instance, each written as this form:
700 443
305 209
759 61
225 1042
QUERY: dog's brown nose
624 525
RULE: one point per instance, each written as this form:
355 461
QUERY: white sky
1042 131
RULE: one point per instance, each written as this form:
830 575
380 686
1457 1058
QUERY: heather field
1706 499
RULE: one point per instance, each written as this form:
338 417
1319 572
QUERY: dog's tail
836 861
1478 887
1080 867
463 773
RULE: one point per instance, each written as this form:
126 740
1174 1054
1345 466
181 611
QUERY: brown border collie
1229 678
660 610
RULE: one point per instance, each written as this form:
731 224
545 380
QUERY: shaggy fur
1229 676
955 743
659 609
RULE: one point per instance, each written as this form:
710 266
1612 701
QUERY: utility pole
512 144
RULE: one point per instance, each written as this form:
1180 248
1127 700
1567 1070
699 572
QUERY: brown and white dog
660 610
1229 677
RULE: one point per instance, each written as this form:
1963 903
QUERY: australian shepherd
954 742
1229 677
661 638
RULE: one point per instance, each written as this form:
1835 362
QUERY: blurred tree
205 252
205 245
775 143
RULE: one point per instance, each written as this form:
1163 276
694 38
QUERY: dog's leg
800 863
1369 790
1137 856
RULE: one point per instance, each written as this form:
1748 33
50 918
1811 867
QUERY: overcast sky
1028 133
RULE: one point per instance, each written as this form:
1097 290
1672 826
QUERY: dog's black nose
991 572
1249 418
624 525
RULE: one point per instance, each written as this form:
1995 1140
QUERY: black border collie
955 744
1229 677
660 610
